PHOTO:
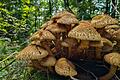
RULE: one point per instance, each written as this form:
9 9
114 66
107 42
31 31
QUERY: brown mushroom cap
63 67
101 21
113 58
55 28
48 61
61 14
68 20
32 52
84 32
46 35
47 24
42 35
36 35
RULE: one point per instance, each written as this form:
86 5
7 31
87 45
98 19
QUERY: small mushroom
68 21
44 40
48 61
32 52
63 67
56 29
113 59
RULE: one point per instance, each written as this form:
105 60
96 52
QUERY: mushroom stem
69 51
110 74
57 44
98 52
73 78
44 44
84 44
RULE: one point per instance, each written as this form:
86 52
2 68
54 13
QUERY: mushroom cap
112 27
68 20
61 14
32 52
48 61
113 58
47 35
106 41
84 32
36 42
55 28
47 24
42 35
36 35
63 67
101 21
116 34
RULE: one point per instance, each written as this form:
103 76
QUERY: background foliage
21 18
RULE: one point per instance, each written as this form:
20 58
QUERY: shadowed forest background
19 19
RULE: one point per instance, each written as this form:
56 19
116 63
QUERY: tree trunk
50 8
113 9
66 5
107 7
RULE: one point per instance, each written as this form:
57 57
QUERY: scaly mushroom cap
46 35
32 52
61 14
42 35
48 61
113 58
55 28
68 20
84 32
63 67
101 21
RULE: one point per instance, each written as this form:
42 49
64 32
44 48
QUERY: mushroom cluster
63 39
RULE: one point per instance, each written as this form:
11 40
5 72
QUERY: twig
115 8
8 65
87 71
108 69
73 78
7 57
